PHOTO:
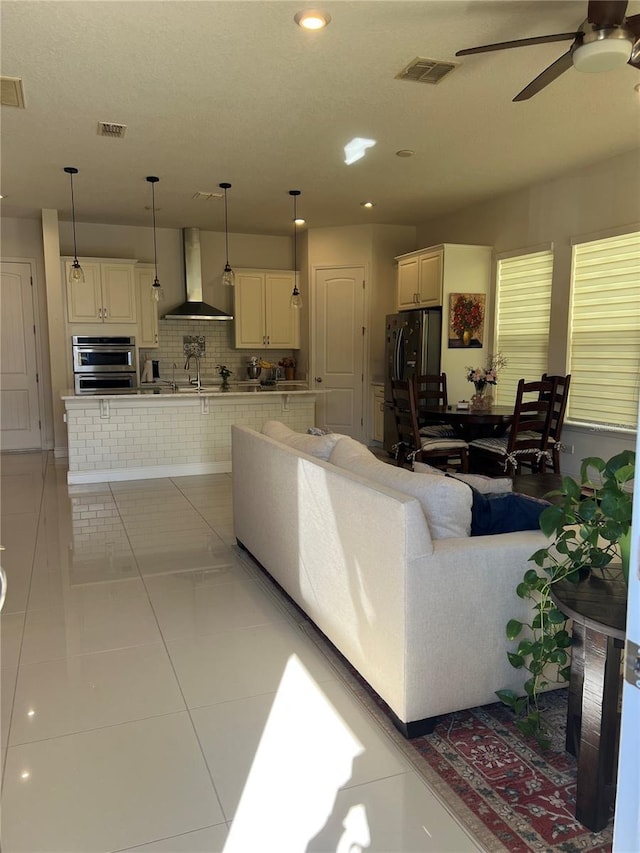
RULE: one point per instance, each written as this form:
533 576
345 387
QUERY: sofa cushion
445 502
315 445
485 485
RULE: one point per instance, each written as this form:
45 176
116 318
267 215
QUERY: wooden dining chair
431 392
559 397
526 442
441 452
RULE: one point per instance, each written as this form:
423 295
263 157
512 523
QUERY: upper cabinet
420 279
426 276
107 295
262 312
147 334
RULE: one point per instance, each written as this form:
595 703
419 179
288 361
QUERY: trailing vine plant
588 525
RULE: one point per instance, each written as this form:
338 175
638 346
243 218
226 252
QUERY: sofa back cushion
445 502
315 445
483 484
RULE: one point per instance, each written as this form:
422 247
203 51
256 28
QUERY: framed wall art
466 320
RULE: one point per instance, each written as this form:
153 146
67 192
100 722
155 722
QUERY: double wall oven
103 364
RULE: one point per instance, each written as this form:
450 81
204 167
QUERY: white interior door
19 406
339 349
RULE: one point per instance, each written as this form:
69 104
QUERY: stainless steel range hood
194 308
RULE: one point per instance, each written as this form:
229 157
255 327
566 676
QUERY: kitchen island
161 432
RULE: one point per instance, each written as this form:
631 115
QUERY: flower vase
225 384
480 400
466 337
289 373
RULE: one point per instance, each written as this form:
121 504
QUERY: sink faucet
195 382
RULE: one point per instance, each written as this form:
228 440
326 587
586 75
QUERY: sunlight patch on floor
289 794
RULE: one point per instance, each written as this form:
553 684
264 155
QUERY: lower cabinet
377 419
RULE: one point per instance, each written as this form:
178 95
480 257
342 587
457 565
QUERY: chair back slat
402 394
431 390
531 418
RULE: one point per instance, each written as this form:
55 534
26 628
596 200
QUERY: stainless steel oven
102 363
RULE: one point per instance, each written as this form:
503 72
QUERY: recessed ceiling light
312 19
405 152
355 149
367 204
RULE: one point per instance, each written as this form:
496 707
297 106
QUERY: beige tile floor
159 695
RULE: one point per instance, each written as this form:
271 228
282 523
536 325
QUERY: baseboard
151 472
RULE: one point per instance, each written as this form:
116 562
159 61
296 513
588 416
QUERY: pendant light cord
153 210
73 218
226 229
295 239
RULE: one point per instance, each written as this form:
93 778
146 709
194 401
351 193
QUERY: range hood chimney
194 308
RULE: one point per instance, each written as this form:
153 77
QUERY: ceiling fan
605 40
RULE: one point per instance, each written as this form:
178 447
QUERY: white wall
602 198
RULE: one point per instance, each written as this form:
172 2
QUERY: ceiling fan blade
547 76
606 13
504 45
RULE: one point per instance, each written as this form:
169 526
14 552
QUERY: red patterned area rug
507 792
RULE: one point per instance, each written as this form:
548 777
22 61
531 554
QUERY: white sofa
393 579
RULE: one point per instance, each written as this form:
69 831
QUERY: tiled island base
168 435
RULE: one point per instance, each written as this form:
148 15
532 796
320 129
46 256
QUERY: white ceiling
235 91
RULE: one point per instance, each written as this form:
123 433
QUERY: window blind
523 311
604 332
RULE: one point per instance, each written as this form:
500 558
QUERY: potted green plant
224 371
587 528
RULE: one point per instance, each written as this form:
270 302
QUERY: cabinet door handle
100 313
104 313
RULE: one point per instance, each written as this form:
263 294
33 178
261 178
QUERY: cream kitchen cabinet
107 295
377 419
263 316
147 334
426 277
420 280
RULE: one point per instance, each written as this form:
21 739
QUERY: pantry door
19 405
338 349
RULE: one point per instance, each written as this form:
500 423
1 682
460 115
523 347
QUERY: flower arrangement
224 371
481 376
468 315
287 361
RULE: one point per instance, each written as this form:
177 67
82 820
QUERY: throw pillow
446 503
504 513
319 446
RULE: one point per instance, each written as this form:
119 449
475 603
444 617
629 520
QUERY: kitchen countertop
164 390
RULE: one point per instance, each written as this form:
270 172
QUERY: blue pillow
504 513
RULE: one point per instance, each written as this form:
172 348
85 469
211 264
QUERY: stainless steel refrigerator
412 346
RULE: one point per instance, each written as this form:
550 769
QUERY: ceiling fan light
601 55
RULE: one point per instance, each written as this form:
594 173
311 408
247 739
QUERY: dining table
469 423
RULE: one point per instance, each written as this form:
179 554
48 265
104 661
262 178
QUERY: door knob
318 378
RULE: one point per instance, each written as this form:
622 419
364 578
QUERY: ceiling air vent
109 128
204 196
12 94
426 70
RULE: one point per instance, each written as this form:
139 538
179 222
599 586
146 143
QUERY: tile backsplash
215 339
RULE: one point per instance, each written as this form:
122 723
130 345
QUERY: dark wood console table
598 607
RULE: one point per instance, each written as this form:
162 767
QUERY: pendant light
296 298
76 273
228 276
156 288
